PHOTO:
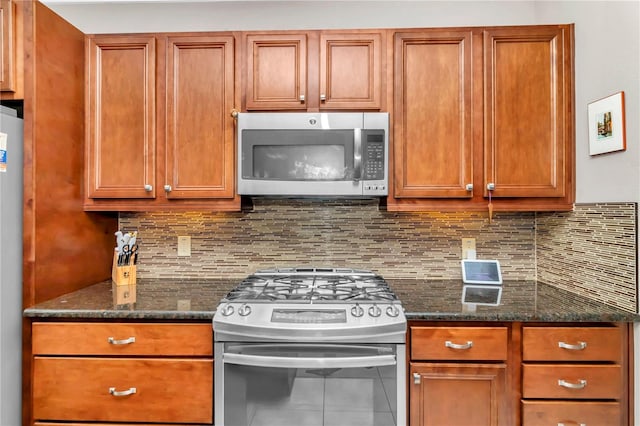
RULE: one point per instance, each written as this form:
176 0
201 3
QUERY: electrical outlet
184 304
184 245
468 248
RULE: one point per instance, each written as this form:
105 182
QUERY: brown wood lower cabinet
122 372
459 375
458 394
576 375
524 374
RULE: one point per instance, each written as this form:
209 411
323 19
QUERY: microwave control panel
374 156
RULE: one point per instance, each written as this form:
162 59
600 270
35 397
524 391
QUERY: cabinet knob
302 98
167 188
491 186
148 188
323 97
234 113
469 187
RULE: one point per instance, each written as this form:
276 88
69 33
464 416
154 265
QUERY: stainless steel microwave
313 154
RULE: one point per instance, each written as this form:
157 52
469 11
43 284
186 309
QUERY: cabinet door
527 111
432 125
7 44
200 96
457 394
276 71
350 71
120 115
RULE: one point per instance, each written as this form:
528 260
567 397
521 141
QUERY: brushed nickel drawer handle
579 424
580 346
127 392
128 341
580 385
450 344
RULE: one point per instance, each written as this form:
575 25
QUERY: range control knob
357 311
244 310
375 311
393 311
227 310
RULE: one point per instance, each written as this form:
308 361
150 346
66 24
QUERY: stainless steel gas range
310 346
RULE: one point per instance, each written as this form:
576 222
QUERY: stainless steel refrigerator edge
11 271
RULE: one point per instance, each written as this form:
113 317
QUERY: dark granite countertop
174 299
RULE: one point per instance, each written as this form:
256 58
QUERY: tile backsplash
590 251
356 234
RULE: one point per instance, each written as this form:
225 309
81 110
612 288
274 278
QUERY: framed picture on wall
606 125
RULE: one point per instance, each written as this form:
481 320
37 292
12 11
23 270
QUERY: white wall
607 60
103 16
607 49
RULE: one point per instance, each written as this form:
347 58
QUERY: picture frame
607 131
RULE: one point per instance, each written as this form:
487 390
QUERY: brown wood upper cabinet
314 71
432 124
480 112
8 46
121 138
160 134
527 99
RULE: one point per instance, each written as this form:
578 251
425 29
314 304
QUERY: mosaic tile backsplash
356 234
590 251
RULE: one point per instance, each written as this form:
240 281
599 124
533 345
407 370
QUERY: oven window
313 396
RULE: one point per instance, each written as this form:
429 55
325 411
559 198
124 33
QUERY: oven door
266 384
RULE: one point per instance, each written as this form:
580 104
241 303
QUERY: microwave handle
357 154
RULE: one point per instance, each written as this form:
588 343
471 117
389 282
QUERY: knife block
124 282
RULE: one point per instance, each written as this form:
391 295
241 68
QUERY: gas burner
312 285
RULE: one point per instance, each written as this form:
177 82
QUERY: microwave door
302 162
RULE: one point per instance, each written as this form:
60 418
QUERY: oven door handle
308 362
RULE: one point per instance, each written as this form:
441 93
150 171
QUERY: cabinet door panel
277 71
350 71
458 394
166 390
7 44
525 112
121 123
433 141
200 94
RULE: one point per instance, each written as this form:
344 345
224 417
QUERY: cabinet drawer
572 344
571 381
459 343
122 339
166 390
570 413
